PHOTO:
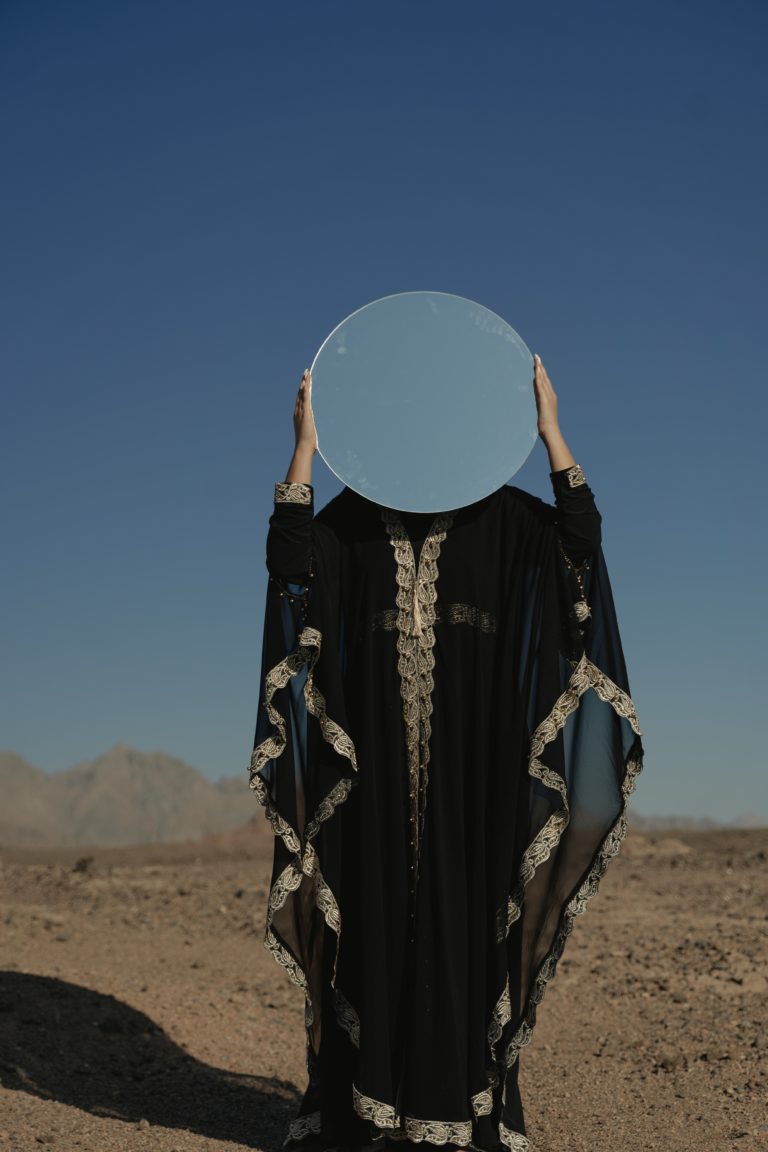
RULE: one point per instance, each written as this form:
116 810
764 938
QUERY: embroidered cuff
293 494
574 477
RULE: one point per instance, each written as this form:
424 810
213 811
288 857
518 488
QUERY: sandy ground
139 1009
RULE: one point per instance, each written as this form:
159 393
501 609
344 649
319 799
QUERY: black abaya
445 748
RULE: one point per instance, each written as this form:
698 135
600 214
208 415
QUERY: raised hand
303 418
546 399
549 427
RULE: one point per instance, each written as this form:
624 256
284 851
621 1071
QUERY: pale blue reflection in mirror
424 401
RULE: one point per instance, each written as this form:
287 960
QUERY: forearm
300 469
560 456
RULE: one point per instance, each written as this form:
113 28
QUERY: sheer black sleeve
289 540
578 520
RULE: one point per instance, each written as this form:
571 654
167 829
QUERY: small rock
143 1125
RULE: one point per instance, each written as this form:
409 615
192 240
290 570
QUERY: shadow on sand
62 1042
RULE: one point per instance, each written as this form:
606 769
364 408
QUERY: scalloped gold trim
575 476
347 1017
305 861
303 1126
416 596
482 1103
585 675
515 1141
396 1127
293 494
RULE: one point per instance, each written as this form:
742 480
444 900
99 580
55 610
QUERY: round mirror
424 401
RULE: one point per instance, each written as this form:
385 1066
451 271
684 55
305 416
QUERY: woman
445 748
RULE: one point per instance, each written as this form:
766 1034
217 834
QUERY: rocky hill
129 797
123 797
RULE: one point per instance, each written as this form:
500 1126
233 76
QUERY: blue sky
194 194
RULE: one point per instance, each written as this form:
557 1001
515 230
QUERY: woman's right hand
303 418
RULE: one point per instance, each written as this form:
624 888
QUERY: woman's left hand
546 400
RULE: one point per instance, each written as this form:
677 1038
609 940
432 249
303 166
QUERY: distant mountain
130 797
122 797
649 823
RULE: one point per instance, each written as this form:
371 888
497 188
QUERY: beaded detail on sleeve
575 477
293 494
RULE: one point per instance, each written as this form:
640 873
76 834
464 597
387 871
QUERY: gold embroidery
448 614
581 608
327 806
303 1126
581 611
293 494
305 862
500 1017
385 1117
515 1141
288 881
482 1103
585 675
434 1131
386 620
575 477
416 596
347 1017
468 614
382 1115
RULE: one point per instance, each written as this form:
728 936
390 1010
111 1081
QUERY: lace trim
380 1114
447 613
347 1017
384 1116
575 477
293 494
434 1131
303 1126
500 1017
305 860
288 881
515 1141
306 655
585 675
482 1103
416 596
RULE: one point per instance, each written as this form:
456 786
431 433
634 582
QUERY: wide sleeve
303 765
584 746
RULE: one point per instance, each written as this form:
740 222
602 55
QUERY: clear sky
195 192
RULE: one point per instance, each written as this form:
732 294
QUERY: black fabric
533 749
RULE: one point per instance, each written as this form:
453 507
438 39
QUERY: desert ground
139 1009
